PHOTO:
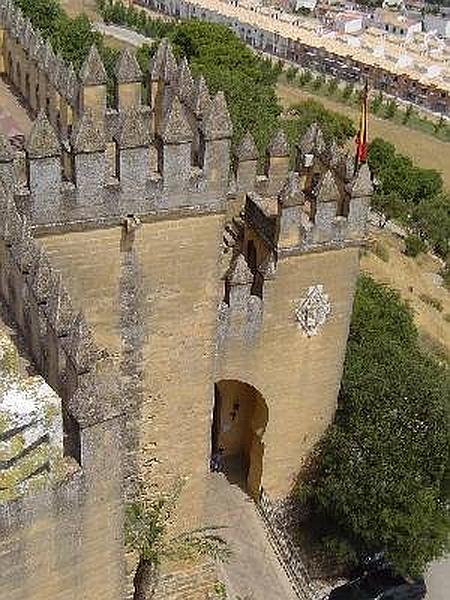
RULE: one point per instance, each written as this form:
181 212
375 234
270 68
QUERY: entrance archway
239 422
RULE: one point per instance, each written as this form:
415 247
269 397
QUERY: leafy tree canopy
229 65
334 125
410 194
379 483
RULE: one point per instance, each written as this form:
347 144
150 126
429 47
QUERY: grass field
76 7
427 151
415 280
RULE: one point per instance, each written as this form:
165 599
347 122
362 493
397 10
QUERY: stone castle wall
188 272
67 540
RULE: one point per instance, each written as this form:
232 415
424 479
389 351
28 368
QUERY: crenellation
130 204
185 84
128 80
277 164
93 78
246 164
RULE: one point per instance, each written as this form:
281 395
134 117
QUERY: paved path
438 580
253 572
123 34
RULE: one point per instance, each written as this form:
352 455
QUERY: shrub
377 102
414 245
446 275
318 82
382 466
408 114
291 74
391 109
348 91
381 250
332 85
431 301
305 77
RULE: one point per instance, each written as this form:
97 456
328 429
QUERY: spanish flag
361 138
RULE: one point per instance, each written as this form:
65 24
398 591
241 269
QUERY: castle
175 298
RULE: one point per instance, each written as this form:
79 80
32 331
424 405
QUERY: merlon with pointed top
127 68
60 311
247 149
328 190
279 146
217 124
186 86
176 128
6 150
240 273
164 65
42 280
93 71
88 135
82 346
363 185
42 141
202 102
133 130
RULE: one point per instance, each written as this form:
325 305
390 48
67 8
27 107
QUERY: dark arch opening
240 418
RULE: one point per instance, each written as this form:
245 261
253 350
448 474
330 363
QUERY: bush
334 125
380 483
446 275
431 301
391 109
414 245
408 114
348 91
332 86
291 74
305 77
380 250
318 82
377 103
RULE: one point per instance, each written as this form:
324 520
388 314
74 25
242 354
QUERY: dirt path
427 151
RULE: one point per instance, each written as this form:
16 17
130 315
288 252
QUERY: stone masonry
149 274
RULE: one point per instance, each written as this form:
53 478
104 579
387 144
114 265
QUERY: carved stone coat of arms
313 310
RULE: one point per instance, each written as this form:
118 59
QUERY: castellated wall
65 541
151 270
173 267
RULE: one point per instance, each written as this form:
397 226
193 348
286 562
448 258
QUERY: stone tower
175 304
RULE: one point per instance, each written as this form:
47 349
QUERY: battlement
86 161
58 337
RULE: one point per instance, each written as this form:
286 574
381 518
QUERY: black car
380 585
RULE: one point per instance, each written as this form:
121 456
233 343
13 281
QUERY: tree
401 185
147 533
408 114
229 65
348 91
379 481
334 125
391 109
377 102
432 221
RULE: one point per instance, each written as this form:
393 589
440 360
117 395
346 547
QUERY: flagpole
361 138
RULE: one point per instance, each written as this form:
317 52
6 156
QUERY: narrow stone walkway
253 571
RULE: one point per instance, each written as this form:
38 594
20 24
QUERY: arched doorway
240 419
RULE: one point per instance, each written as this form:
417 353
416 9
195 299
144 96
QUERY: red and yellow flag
362 137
